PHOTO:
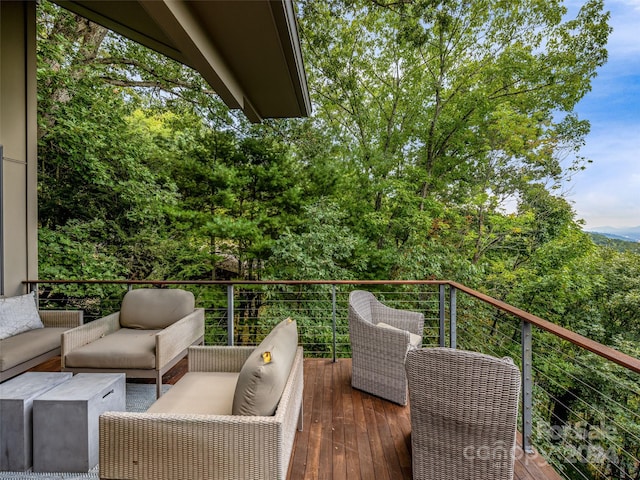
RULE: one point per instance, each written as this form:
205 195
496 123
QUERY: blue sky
608 192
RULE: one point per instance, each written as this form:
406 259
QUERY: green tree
445 112
325 247
102 166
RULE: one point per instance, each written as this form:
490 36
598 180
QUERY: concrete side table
16 404
65 421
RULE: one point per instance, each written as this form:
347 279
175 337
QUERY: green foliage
443 136
463 109
619 245
71 253
325 249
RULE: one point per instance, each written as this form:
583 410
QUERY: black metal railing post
453 333
333 302
442 314
33 287
230 315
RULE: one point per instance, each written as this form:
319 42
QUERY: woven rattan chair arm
292 392
178 337
61 318
365 333
403 319
218 358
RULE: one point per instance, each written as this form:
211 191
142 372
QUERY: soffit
247 50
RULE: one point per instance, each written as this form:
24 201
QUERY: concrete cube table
16 405
65 421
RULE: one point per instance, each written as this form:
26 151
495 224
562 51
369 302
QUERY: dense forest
442 141
615 243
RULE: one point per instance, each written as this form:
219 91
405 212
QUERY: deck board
375 435
349 434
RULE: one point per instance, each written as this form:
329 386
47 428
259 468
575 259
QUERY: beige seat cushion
414 340
27 345
155 308
125 348
202 393
260 383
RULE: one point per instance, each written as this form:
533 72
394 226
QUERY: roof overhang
247 50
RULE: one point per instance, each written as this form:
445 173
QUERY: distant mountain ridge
629 234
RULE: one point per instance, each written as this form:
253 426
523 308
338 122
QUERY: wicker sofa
20 352
232 416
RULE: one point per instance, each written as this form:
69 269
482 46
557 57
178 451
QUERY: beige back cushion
261 382
155 308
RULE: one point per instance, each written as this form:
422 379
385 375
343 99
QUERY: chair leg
158 384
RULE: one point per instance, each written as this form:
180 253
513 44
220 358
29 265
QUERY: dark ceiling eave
247 50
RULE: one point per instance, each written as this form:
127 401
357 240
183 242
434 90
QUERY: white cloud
624 20
631 3
608 192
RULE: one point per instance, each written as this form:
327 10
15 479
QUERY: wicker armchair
464 407
145 339
380 338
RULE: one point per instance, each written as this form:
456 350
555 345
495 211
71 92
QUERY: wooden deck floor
349 434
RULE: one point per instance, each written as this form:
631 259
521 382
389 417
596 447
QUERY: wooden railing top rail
604 351
609 353
246 282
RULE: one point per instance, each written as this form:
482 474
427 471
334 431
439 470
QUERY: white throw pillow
18 314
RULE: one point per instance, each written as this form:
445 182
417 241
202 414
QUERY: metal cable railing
580 399
585 417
